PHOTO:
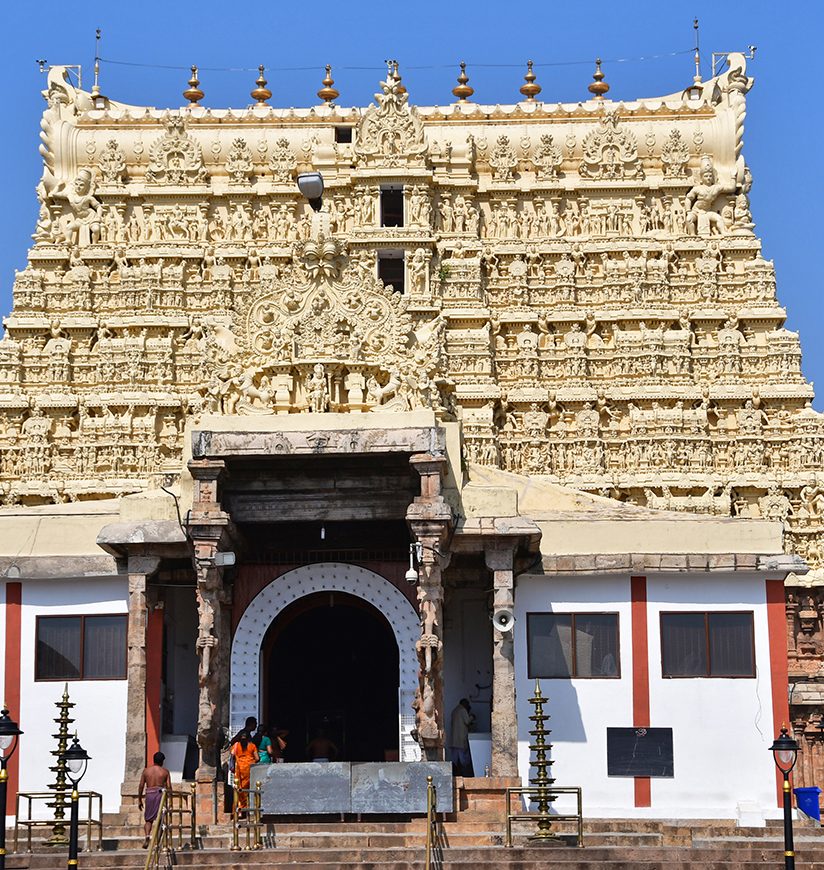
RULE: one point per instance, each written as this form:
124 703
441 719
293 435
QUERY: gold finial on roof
193 93
697 55
260 93
530 90
462 91
327 93
599 87
401 88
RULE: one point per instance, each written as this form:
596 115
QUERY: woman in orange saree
246 754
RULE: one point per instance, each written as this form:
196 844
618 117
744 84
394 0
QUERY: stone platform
343 787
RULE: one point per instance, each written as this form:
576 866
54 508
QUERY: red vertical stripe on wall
640 676
154 675
14 600
779 678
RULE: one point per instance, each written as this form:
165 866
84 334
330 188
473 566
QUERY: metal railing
183 816
434 850
30 800
247 819
161 852
544 819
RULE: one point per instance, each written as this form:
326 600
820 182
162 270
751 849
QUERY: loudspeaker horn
503 619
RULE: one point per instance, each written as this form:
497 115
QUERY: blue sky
783 137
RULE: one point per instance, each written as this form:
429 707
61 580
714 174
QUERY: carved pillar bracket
430 520
211 532
140 569
499 559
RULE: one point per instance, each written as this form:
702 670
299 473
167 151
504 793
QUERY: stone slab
303 789
396 787
343 787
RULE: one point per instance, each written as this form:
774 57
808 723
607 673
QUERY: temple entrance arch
246 674
330 664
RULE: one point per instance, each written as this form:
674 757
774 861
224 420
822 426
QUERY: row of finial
260 93
462 92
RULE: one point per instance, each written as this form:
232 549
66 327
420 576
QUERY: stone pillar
140 569
210 533
430 520
504 717
210 644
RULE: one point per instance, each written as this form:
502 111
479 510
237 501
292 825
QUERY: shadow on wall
551 652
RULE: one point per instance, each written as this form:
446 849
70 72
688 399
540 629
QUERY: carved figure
82 225
675 155
702 218
318 390
239 162
112 163
547 159
502 160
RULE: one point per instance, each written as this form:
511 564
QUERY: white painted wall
580 709
100 711
735 712
709 782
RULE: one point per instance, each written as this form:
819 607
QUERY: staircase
470 839
613 844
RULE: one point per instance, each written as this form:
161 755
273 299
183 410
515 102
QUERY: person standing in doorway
153 781
245 754
263 740
462 721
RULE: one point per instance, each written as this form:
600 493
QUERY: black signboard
639 752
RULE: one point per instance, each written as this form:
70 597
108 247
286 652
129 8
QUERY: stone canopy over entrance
306 580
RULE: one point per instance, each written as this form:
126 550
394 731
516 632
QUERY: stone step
533 859
572 858
307 837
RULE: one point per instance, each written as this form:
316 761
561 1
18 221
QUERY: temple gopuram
508 398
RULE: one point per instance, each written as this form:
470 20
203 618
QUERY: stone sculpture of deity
702 218
82 225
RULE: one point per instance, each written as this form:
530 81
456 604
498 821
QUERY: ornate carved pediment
610 152
335 313
391 133
175 158
326 335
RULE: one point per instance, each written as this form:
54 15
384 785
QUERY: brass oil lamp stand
542 780
59 786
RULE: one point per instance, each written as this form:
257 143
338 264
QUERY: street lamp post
77 760
785 753
9 734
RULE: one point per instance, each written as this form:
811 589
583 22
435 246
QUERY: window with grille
567 645
80 648
707 644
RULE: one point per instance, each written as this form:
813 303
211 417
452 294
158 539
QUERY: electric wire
269 69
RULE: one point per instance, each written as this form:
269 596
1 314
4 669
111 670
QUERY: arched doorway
248 659
330 667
